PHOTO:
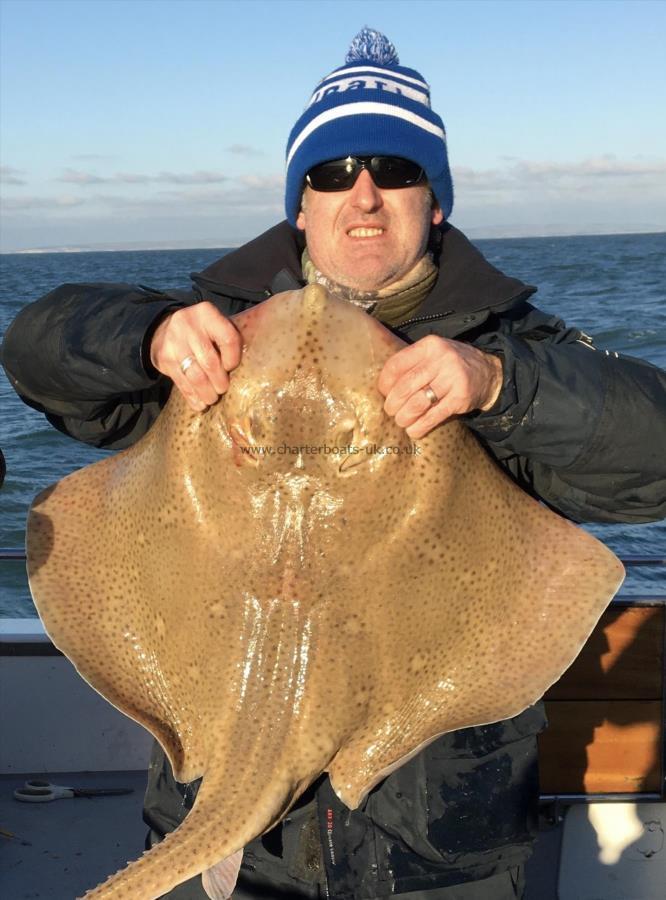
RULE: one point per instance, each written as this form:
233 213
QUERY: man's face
367 238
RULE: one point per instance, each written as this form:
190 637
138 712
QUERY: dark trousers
509 885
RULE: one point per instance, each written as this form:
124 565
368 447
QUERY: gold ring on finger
186 363
431 395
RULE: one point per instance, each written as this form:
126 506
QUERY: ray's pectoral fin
220 880
526 631
371 755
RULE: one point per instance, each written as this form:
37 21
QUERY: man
369 188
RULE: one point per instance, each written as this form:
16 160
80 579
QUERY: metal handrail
631 561
11 553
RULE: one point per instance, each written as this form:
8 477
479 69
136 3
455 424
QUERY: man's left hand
461 377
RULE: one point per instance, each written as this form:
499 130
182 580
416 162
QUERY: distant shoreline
170 248
38 251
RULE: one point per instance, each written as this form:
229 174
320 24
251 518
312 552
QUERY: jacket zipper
470 317
431 318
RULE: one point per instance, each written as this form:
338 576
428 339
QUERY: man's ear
437 216
300 221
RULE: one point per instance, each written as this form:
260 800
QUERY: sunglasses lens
336 175
387 172
394 172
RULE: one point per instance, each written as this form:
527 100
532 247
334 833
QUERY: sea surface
612 287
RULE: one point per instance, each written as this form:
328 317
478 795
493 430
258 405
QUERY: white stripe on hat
386 83
349 70
364 108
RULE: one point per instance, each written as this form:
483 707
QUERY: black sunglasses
388 172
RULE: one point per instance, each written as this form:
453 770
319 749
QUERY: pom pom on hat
370 106
372 46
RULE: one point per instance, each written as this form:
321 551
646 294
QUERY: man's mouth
364 232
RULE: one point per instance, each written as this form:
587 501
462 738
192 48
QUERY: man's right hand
200 333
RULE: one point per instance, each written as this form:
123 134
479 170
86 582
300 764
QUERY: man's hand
461 377
203 334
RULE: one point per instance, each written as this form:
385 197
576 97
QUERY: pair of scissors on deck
44 792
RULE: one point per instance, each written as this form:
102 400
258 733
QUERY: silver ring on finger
431 395
186 363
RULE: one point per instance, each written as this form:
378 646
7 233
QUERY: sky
145 123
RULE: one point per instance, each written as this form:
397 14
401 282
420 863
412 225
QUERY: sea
613 287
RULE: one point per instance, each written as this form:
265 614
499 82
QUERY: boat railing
7 553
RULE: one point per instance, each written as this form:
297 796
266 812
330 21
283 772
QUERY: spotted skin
271 614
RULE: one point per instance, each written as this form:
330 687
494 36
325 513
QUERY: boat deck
59 850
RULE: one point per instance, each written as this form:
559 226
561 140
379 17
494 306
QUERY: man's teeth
365 232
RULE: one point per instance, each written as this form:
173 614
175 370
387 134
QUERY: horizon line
170 246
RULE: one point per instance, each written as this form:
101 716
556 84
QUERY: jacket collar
255 271
271 263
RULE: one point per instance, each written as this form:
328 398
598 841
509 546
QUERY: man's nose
365 195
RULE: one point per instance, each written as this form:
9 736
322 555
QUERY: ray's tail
215 830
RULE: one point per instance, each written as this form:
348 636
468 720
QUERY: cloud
244 150
73 176
591 174
76 176
194 194
191 178
606 166
262 182
265 197
9 175
520 196
23 204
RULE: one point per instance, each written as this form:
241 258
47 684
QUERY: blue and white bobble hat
371 106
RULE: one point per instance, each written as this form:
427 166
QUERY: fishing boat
602 766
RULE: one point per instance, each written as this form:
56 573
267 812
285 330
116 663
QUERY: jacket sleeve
77 355
584 430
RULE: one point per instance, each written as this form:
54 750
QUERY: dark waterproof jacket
583 430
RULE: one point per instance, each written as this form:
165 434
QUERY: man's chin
364 276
